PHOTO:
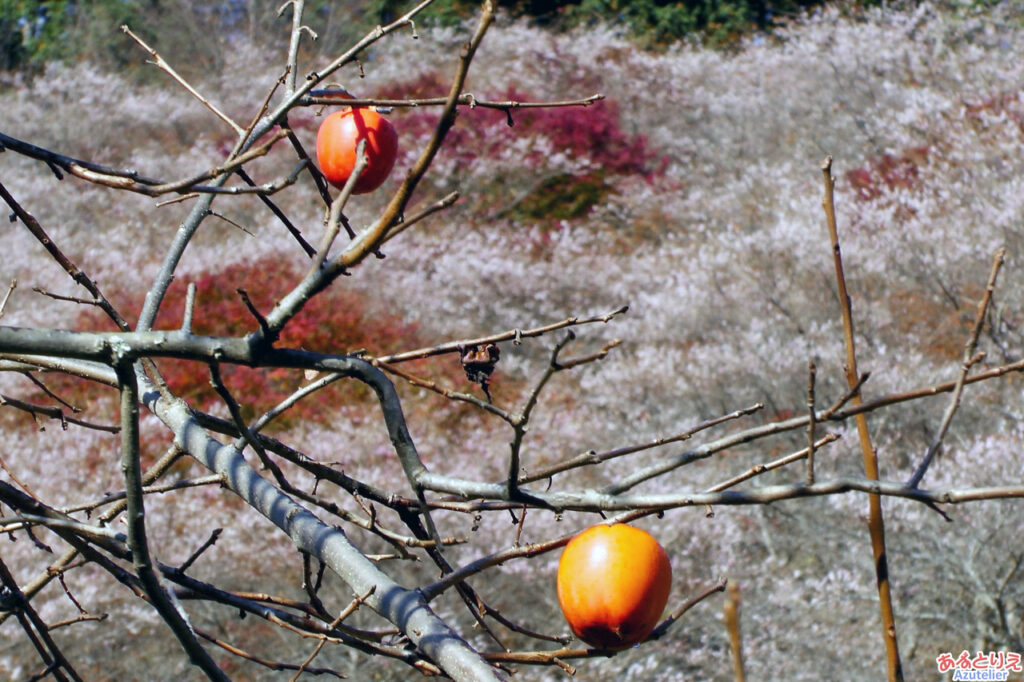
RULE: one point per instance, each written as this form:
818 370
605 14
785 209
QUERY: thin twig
519 551
345 613
329 96
314 172
313 586
10 290
522 420
334 216
54 413
663 627
30 620
14 477
68 299
67 592
263 197
811 422
132 181
459 396
235 410
590 357
969 360
258 116
178 199
514 335
232 223
251 307
782 461
845 398
80 618
69 267
85 530
592 457
183 484
192 183
45 389
265 662
159 62
291 400
202 548
441 204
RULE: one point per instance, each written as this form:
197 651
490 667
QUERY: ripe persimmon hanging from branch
337 140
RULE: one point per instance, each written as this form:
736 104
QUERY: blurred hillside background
692 193
36 31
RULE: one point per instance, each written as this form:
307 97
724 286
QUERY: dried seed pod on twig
479 362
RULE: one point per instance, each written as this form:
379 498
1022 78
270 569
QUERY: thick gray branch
404 607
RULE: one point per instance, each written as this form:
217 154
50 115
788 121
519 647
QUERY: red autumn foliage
336 321
592 132
887 173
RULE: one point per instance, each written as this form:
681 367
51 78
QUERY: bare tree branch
36 630
401 606
514 335
876 524
166 68
969 360
7 296
69 267
334 96
137 541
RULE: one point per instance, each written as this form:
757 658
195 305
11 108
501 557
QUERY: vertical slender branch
732 624
811 374
969 360
190 308
876 525
187 229
521 422
136 522
293 46
335 217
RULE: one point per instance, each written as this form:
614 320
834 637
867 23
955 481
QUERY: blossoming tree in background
274 386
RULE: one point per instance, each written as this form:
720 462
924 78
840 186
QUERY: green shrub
35 31
653 22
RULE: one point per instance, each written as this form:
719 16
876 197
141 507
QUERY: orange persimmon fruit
613 584
336 143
